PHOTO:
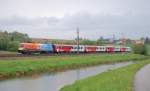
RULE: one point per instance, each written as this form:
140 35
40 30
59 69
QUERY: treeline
9 41
94 42
100 41
147 40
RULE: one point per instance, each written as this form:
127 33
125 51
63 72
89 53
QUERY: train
47 48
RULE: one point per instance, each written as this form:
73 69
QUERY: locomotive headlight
21 48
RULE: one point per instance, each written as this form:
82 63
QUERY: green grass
7 52
115 80
25 66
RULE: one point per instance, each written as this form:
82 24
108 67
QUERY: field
115 80
17 67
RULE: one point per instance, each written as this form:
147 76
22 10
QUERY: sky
59 19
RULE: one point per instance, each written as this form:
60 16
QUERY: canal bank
53 82
30 66
142 79
121 79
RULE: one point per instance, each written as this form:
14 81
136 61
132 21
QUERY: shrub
140 49
13 46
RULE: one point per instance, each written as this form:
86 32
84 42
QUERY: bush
147 49
13 46
140 49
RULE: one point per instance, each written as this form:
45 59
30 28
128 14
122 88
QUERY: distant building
138 41
121 41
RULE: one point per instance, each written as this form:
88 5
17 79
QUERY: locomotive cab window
21 45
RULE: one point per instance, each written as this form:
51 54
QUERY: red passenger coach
110 49
90 49
122 49
63 48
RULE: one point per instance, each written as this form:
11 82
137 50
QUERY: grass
115 80
28 66
7 52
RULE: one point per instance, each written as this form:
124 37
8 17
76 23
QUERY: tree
102 41
9 41
4 40
16 36
87 42
147 40
13 46
140 49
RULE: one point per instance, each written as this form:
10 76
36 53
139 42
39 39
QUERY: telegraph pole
123 39
113 38
77 40
78 73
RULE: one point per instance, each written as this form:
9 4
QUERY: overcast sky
59 19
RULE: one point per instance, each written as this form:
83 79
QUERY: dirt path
142 79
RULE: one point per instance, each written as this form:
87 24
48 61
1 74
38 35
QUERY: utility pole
77 40
114 38
123 39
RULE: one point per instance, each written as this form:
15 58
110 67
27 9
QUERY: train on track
28 48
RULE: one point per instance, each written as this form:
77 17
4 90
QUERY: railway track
22 55
17 55
12 55
40 55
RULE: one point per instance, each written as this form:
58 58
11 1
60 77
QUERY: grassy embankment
27 66
7 52
115 80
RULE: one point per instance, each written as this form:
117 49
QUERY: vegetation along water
27 66
114 80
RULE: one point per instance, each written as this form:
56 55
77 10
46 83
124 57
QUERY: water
53 82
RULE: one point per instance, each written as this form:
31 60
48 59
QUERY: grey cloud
91 26
94 17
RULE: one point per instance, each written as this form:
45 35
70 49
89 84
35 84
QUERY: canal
55 81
